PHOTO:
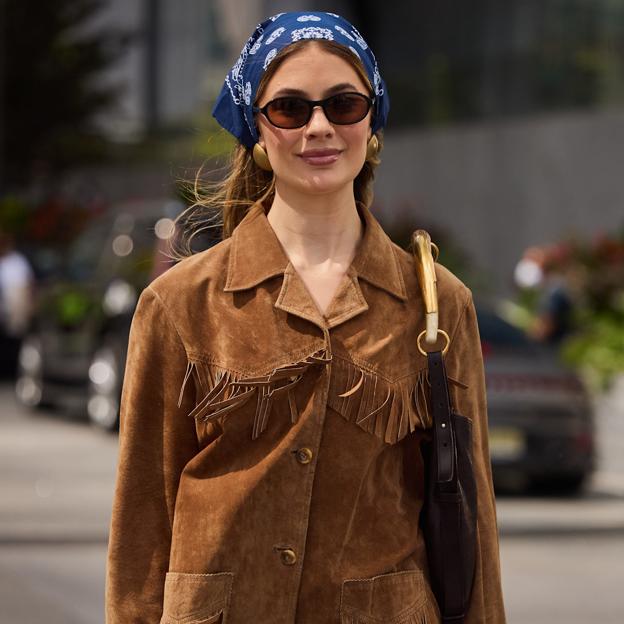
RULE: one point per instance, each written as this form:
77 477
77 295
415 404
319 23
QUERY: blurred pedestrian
555 306
17 286
274 400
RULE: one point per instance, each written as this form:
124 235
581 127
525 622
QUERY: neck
319 233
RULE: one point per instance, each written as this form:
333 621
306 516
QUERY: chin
324 181
319 185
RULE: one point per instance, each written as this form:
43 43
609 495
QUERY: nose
318 123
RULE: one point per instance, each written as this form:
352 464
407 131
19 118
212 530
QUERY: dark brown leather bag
449 516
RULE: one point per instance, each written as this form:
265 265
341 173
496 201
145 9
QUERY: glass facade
448 61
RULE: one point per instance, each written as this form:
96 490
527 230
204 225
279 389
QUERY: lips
320 156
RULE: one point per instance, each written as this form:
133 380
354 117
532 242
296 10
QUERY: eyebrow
335 89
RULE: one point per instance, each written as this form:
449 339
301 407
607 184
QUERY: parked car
74 352
541 422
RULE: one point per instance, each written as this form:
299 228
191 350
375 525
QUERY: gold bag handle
421 246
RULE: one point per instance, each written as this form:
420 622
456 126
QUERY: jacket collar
256 255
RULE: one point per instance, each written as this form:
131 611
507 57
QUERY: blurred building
503 115
175 47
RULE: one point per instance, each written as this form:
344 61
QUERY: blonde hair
223 204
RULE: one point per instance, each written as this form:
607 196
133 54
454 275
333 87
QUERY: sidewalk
56 476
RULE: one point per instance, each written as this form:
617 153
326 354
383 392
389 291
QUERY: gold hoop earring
261 158
372 148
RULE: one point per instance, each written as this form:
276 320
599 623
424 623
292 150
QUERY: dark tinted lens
288 112
346 108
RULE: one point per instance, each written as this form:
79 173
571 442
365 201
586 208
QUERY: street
562 558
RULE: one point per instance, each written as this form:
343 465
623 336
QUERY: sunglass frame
312 104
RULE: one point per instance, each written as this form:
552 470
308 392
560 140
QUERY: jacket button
304 455
288 556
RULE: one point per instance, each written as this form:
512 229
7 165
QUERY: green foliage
14 215
52 56
212 141
598 351
594 273
73 308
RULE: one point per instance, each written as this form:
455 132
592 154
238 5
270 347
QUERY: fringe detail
189 370
386 409
226 391
422 614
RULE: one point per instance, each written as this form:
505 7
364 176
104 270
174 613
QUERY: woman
274 399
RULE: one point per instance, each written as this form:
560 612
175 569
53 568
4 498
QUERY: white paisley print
359 38
274 35
256 46
343 32
269 57
311 32
308 18
377 80
239 91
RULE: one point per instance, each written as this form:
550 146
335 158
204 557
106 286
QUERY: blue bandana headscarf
234 106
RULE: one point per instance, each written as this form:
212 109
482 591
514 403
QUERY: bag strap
443 434
447 491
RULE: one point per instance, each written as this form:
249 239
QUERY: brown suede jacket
270 468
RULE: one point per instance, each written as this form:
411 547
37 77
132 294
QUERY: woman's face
316 74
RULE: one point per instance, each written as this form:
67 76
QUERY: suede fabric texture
269 466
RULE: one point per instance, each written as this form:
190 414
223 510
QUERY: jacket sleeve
464 362
156 441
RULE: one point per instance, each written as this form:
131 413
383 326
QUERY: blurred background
505 141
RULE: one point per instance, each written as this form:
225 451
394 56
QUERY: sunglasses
291 112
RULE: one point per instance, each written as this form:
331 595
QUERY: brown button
304 455
288 556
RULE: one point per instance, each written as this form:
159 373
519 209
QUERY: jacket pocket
196 598
396 598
